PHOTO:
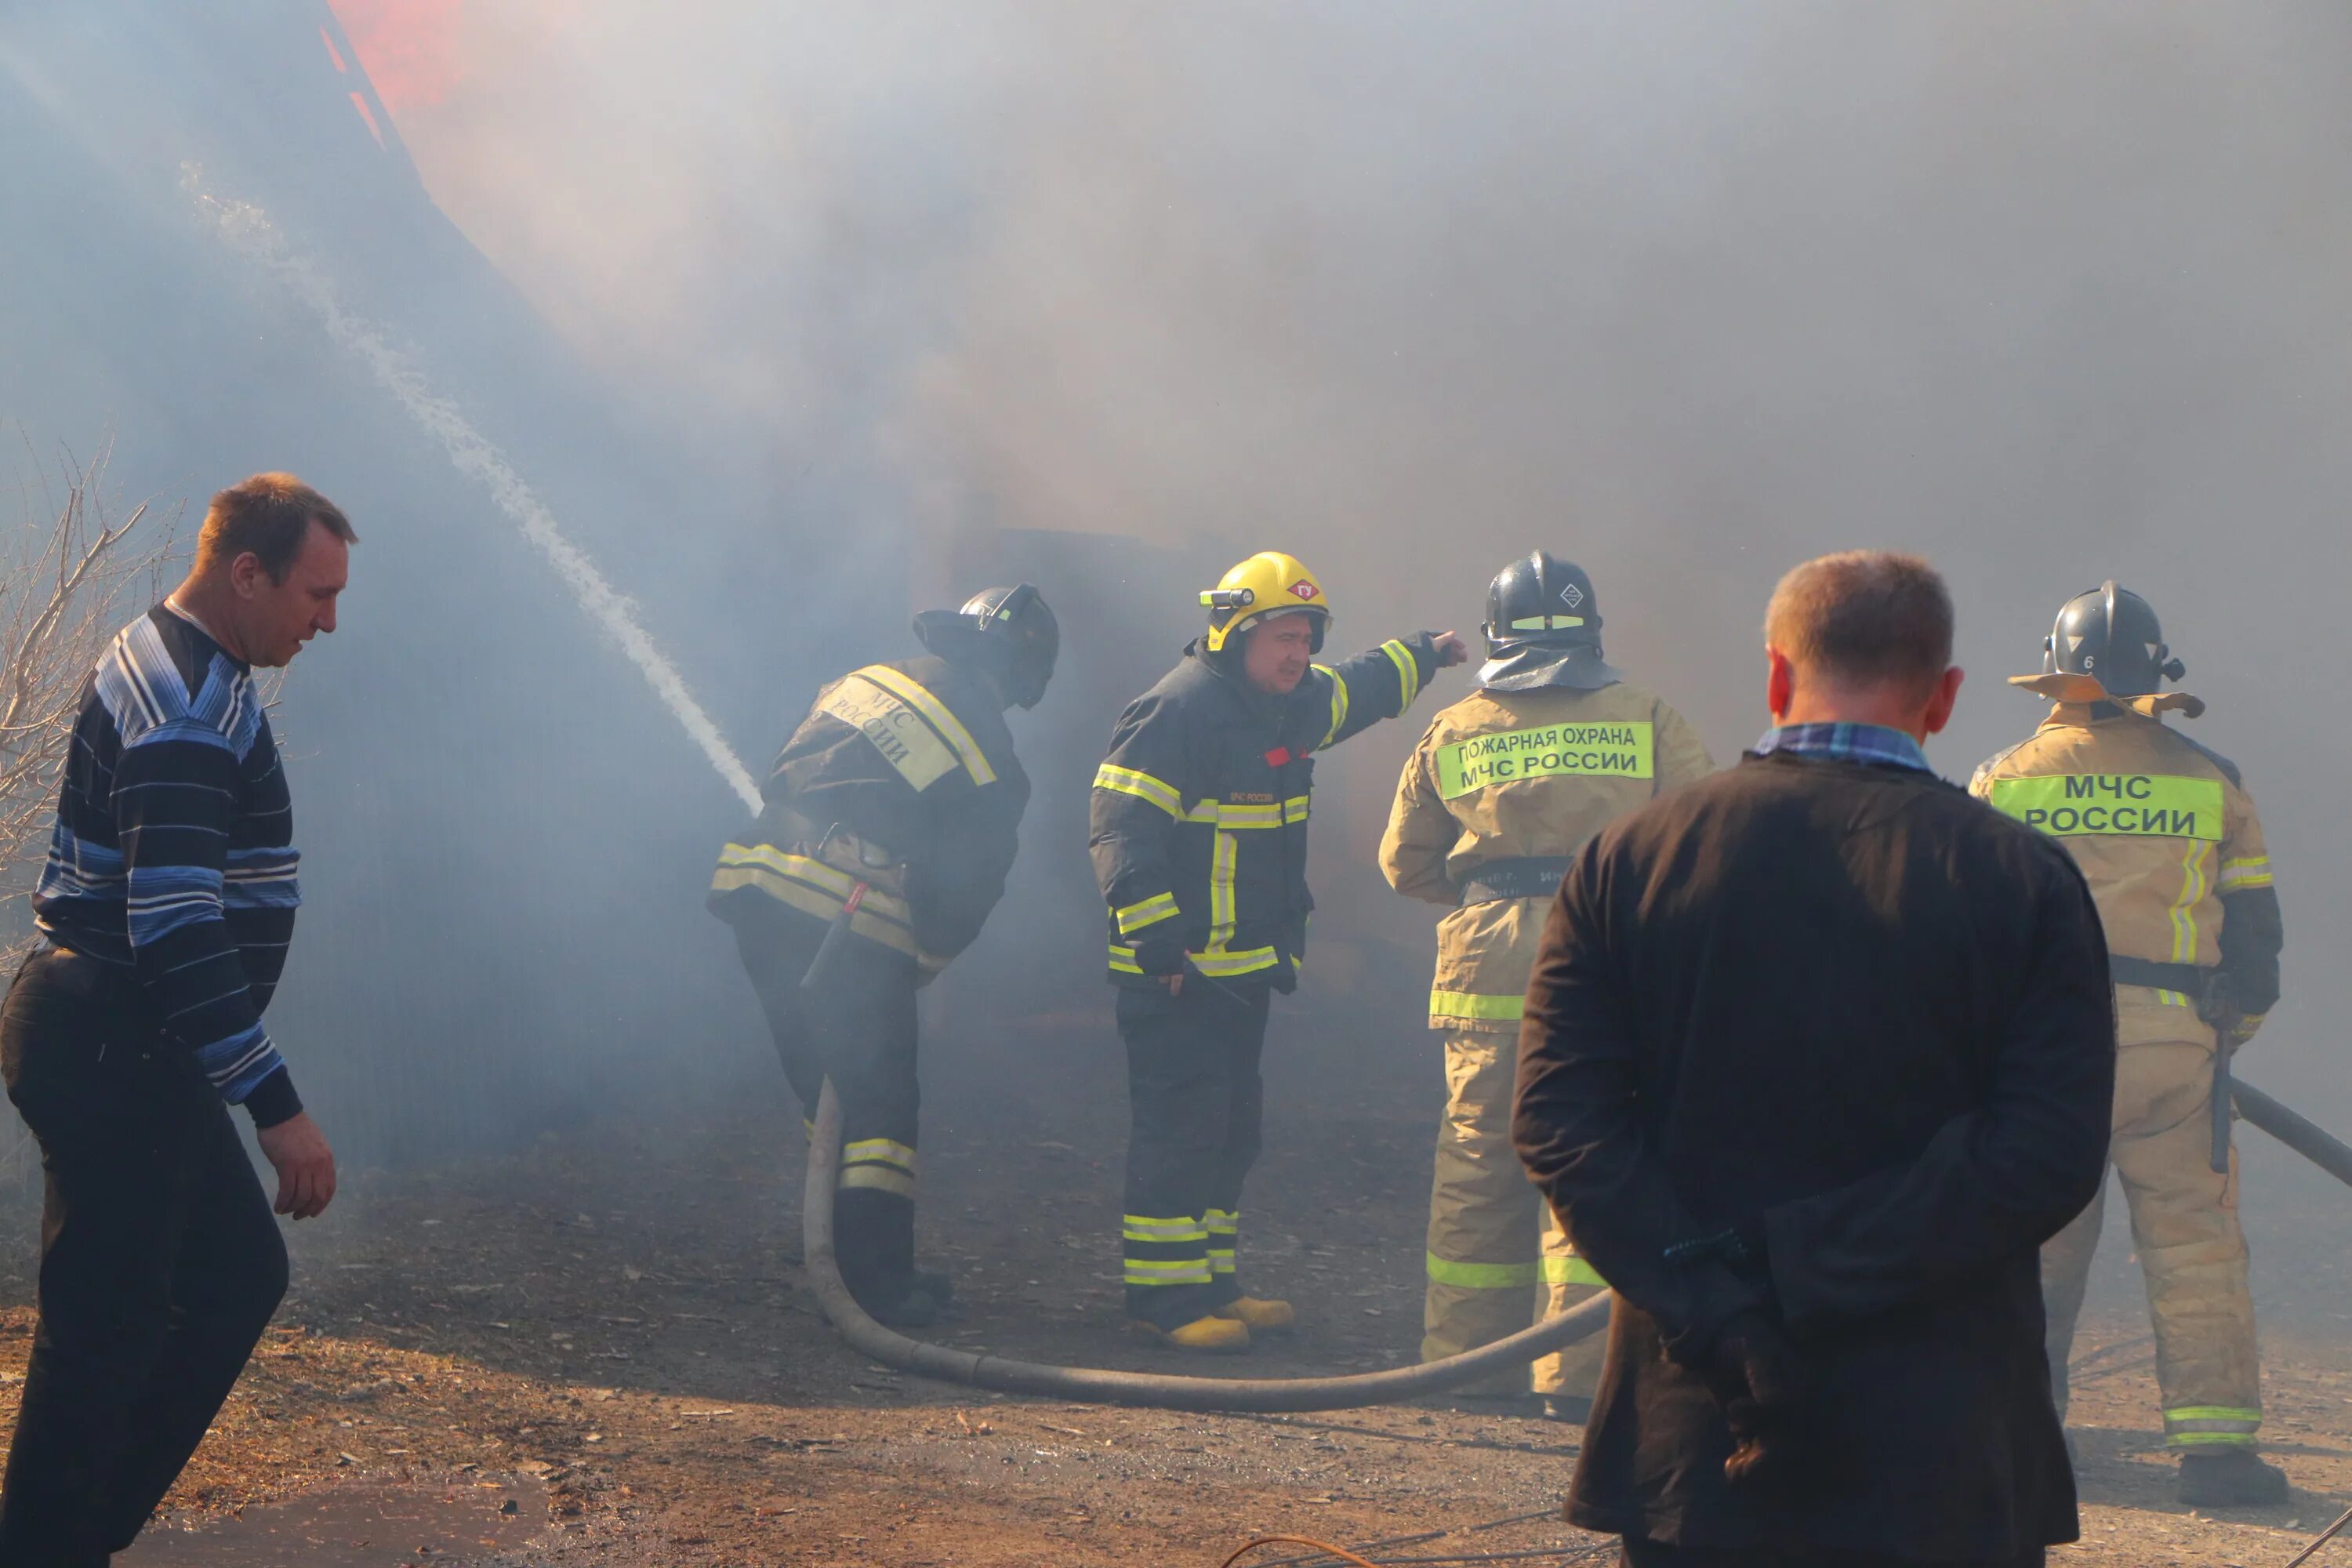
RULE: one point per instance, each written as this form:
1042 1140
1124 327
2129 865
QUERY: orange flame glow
410 49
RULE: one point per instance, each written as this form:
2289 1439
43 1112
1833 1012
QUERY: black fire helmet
2111 635
1010 632
1543 628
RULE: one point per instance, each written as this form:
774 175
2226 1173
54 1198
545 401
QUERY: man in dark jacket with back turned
1817 1053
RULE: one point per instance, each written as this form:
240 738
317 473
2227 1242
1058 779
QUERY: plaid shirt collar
1871 743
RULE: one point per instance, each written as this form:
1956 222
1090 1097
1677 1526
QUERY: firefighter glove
1158 955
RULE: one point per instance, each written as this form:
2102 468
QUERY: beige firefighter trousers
1497 1258
2184 1222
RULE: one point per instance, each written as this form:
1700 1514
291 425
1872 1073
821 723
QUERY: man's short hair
268 514
1863 618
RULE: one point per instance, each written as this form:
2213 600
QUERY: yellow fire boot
1259 1315
1213 1334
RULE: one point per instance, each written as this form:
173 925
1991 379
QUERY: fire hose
977 1369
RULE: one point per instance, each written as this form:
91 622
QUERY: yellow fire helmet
1268 585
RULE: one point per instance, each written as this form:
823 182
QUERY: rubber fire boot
2230 1478
1260 1314
1213 1334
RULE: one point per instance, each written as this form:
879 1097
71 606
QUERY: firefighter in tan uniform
2169 840
1501 792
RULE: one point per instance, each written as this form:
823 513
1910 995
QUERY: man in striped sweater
164 912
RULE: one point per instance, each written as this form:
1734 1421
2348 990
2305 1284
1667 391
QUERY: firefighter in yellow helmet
1504 788
2166 834
1199 835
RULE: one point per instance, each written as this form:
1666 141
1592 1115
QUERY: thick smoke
1687 291
806 315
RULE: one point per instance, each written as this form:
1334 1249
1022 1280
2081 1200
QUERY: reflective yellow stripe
2184 909
2211 1425
1149 911
1295 809
1224 1220
1220 963
1157 1271
815 889
1571 1271
2251 872
1141 786
951 728
1265 813
1338 703
1481 1276
1471 1005
887 1150
880 1179
1408 671
1242 963
1222 919
894 728
1221 1260
1143 1227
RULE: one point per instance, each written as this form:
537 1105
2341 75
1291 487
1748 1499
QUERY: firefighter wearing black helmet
2167 836
1504 788
888 828
1199 833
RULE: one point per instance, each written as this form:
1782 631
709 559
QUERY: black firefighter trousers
1197 1105
160 1262
858 1029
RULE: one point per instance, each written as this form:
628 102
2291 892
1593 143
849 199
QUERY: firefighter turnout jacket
2167 836
1502 790
901 777
1200 811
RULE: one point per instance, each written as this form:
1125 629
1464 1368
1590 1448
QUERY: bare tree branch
68 582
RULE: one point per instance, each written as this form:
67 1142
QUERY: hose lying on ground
2329 1153
979 1370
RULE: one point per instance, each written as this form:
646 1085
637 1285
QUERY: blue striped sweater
172 855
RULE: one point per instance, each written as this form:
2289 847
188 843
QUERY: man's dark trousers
1657 1554
859 1029
160 1261
1196 1104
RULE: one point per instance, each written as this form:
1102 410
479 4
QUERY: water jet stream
250 232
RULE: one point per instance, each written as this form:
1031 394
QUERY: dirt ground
599 1353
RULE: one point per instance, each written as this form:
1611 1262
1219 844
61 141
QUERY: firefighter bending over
1504 788
1200 845
2167 836
889 826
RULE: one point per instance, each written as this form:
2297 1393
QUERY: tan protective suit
1503 775
2164 835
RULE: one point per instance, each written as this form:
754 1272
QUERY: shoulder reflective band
1548 751
2144 806
942 721
897 730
